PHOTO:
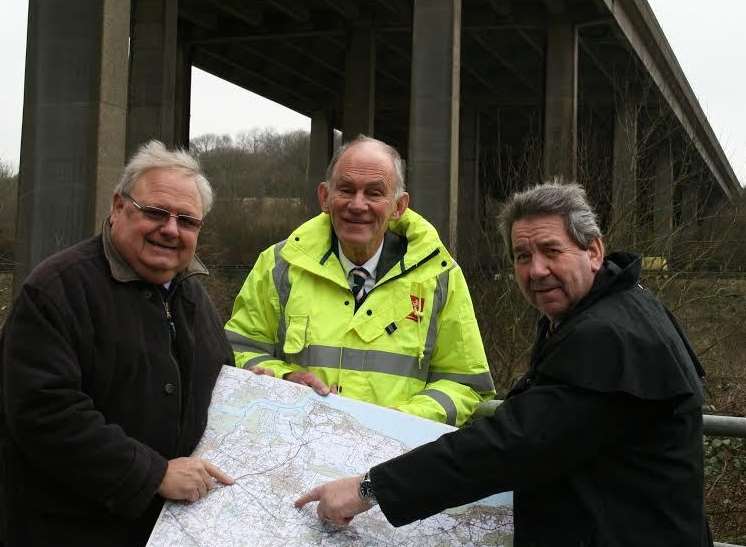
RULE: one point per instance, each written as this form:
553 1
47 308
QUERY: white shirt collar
370 265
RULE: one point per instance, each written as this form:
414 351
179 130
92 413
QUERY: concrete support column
153 110
434 114
72 146
624 215
689 204
469 199
663 201
182 93
561 101
320 150
360 84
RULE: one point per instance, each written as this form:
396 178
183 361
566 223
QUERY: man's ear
322 192
596 254
117 204
401 205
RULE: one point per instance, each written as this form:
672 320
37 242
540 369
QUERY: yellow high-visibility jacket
412 345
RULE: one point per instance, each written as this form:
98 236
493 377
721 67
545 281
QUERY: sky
708 39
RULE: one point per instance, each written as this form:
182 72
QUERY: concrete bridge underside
480 96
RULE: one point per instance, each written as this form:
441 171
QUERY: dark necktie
358 276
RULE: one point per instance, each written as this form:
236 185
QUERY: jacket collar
123 272
620 271
393 250
410 242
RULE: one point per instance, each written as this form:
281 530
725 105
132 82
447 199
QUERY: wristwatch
366 490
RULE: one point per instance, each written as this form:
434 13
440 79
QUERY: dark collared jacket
99 391
601 441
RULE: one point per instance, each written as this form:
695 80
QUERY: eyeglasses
156 214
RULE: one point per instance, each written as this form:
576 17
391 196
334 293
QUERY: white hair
154 155
399 186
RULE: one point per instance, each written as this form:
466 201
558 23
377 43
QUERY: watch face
366 489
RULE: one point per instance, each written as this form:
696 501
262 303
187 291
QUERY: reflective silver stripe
478 382
281 278
439 299
360 360
254 361
241 343
445 401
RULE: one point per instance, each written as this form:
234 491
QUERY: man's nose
170 227
538 267
358 201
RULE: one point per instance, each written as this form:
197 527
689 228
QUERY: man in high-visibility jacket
364 300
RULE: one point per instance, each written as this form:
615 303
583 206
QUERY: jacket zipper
171 338
409 270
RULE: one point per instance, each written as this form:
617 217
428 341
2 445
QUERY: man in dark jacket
601 441
108 360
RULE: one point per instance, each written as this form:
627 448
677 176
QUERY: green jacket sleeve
459 374
252 329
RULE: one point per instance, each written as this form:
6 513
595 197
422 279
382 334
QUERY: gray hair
569 201
154 155
399 187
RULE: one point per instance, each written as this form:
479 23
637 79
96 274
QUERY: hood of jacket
311 247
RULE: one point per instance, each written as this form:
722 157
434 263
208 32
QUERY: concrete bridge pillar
663 201
182 92
320 150
75 100
434 114
561 101
360 84
690 203
158 85
624 214
469 198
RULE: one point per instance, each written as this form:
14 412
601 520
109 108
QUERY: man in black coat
108 361
601 440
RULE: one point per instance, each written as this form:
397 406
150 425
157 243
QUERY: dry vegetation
711 305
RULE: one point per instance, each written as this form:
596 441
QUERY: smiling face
553 273
360 199
156 251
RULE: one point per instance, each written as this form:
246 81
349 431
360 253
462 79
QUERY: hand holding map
190 479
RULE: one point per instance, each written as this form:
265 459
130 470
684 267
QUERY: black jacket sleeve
55 423
533 438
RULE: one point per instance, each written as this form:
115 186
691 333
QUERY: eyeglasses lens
156 214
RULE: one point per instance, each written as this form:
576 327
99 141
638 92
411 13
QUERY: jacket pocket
296 334
389 307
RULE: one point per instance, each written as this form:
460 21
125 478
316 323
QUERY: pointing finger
217 474
312 495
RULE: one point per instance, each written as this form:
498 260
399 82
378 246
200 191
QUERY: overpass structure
480 96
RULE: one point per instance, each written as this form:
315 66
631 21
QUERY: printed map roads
278 439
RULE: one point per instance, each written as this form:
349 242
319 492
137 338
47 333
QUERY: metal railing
713 425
